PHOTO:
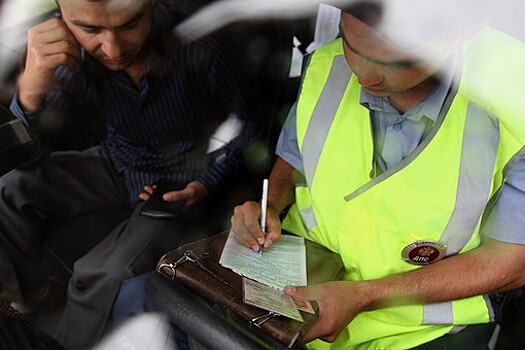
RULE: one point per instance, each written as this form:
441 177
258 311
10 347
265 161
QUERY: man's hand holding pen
247 228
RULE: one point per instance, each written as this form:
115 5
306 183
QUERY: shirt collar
429 107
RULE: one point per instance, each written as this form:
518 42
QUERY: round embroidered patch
424 252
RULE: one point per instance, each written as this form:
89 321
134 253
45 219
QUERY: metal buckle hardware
188 256
258 321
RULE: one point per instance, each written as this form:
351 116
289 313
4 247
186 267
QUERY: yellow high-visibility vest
438 193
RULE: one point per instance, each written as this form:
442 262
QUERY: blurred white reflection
405 20
16 17
16 11
148 331
225 133
223 12
430 29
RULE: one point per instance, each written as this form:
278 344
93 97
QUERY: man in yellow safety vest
413 173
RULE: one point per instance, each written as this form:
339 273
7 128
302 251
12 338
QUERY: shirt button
397 127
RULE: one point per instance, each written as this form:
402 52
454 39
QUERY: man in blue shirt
161 100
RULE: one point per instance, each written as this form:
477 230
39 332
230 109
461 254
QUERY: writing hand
247 227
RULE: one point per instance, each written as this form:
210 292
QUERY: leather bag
196 266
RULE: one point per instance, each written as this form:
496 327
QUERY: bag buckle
188 256
259 320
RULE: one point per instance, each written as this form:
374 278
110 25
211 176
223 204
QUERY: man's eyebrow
123 25
402 63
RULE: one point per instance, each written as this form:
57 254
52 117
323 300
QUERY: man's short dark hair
372 13
369 12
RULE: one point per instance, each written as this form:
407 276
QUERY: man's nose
111 46
366 72
369 78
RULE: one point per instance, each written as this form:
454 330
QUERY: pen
264 208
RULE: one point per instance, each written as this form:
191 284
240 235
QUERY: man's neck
137 70
406 100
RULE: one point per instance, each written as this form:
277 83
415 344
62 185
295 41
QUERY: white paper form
283 264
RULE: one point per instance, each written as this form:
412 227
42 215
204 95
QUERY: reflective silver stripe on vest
443 313
308 216
438 313
323 115
492 316
478 157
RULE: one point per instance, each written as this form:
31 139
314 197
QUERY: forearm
281 189
494 266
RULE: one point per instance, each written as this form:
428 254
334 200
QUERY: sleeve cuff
18 112
213 177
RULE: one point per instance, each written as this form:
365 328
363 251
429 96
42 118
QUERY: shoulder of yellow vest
332 48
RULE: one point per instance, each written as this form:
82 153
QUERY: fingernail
260 240
290 289
268 243
255 248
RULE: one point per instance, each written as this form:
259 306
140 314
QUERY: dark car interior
24 147
265 49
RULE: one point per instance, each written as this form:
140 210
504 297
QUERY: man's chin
378 92
115 65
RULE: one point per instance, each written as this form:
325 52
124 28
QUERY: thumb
173 196
306 292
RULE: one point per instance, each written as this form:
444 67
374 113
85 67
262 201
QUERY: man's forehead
427 29
363 38
107 5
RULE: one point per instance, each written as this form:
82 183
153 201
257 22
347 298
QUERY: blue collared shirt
396 135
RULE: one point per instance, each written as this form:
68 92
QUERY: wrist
273 209
368 294
29 98
386 292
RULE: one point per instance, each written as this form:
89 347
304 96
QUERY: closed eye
130 26
91 30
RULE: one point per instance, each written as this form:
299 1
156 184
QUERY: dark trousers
68 184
